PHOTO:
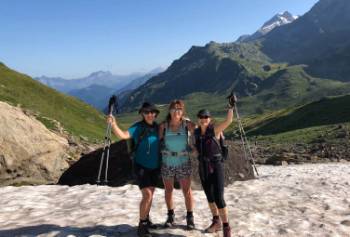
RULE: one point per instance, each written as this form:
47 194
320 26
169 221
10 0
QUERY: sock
216 218
189 213
171 212
225 224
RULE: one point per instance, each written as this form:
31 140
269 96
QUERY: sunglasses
203 117
175 110
148 112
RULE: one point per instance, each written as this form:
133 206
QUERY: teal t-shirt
147 153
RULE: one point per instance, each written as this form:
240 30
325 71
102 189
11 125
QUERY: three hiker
168 148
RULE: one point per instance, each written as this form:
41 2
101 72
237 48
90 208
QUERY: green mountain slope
214 68
291 86
327 111
285 88
75 116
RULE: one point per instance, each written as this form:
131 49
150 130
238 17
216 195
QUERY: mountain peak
100 74
277 20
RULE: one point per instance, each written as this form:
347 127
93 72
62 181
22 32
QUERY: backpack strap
142 135
211 133
219 142
188 134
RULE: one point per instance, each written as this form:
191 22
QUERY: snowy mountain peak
277 20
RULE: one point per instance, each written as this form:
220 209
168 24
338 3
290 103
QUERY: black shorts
146 177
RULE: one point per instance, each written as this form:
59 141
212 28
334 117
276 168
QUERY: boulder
85 170
29 152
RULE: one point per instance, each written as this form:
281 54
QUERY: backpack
132 146
223 148
185 125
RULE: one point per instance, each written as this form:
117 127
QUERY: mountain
124 92
98 95
319 39
102 78
140 80
297 62
95 95
289 87
327 111
213 68
276 21
49 106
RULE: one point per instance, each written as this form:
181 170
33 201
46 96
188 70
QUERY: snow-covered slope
296 200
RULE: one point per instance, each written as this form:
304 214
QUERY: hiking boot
169 221
215 226
150 224
190 222
142 230
227 231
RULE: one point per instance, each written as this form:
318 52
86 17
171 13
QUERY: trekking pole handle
232 99
112 103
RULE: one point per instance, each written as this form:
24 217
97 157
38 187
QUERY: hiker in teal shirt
147 152
146 159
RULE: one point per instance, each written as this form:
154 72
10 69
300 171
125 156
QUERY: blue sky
72 38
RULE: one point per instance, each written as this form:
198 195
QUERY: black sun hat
203 112
146 106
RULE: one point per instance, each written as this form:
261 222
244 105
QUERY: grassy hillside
327 111
75 116
302 123
289 87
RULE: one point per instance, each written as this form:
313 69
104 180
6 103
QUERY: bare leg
214 210
223 215
169 188
150 205
187 192
146 202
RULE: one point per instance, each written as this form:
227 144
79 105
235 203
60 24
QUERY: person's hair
172 105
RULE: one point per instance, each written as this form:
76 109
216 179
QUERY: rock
345 222
342 134
282 231
28 149
85 170
84 138
72 141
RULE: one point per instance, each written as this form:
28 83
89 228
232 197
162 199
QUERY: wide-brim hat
148 107
203 112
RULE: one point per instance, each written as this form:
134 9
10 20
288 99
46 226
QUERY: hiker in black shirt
211 169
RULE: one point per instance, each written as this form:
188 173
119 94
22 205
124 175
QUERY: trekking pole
107 143
248 154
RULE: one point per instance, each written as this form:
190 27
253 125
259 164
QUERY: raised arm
116 130
219 128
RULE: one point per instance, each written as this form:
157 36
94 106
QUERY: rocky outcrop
85 170
29 152
332 148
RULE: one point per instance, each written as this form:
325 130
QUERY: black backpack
224 150
132 146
